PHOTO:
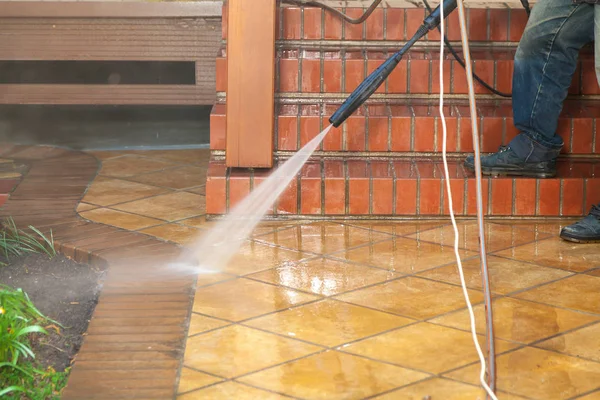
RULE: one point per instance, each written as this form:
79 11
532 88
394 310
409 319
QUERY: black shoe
585 231
506 162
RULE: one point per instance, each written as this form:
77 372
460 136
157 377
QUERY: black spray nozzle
377 77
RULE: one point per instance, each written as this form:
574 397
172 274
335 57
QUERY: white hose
450 207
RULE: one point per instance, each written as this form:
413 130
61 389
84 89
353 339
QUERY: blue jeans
544 65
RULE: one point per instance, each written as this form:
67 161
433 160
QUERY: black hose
354 21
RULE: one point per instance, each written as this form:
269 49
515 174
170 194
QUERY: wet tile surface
326 310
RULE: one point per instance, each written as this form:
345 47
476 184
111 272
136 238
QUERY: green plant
35 384
18 317
15 242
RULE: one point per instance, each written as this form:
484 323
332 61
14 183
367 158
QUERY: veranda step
496 24
392 128
308 72
409 188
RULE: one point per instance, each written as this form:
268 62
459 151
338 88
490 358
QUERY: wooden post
250 83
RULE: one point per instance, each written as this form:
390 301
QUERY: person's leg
543 69
588 229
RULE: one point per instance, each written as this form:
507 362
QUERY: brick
398 80
309 128
424 134
288 201
287 132
491 138
378 133
358 188
502 196
374 25
457 188
333 26
435 76
485 70
311 75
592 193
288 75
504 76
353 32
291 23
218 127
518 20
451 134
401 133
459 79
583 136
572 197
564 130
356 133
498 25
335 188
383 188
312 23
224 20
430 196
525 196
221 74
419 76
3 199
239 187
394 24
216 189
589 82
332 76
414 19
477 24
453 27
549 197
472 195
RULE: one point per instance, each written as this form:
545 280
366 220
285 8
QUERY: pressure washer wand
377 77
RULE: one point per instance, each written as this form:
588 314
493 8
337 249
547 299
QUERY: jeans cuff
556 142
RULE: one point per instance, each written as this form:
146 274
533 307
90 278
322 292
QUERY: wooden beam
107 9
250 83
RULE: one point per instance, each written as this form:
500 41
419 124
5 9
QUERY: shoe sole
511 172
578 240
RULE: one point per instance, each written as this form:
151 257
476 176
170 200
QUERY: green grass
30 383
15 242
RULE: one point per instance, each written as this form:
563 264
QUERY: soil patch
63 290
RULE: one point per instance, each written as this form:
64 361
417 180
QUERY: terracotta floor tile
519 320
243 298
497 236
197 222
192 380
425 347
119 219
412 297
399 228
329 323
506 276
169 207
324 277
580 343
552 228
440 388
108 191
231 390
253 257
333 375
212 278
595 272
198 190
579 292
591 396
236 350
401 255
200 324
174 178
174 233
130 165
81 207
557 253
105 155
539 374
323 238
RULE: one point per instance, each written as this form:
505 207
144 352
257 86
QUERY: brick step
301 71
409 188
401 128
394 24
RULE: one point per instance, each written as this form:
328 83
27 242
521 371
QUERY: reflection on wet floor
325 310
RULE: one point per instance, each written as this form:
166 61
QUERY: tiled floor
326 310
